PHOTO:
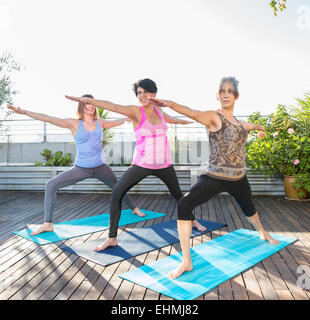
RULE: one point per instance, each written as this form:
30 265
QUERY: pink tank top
152 146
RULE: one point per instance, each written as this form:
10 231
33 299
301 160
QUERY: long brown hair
81 106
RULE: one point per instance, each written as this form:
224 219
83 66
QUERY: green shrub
107 135
285 148
56 160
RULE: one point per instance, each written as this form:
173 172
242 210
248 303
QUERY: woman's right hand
16 109
78 99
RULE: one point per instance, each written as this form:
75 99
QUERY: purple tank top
152 146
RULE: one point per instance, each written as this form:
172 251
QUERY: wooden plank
299 250
28 271
237 283
266 286
225 289
81 290
252 288
211 215
285 295
111 289
152 256
33 276
125 287
284 266
138 291
263 280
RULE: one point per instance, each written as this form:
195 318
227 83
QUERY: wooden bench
30 178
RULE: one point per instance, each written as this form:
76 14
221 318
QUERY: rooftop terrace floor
32 272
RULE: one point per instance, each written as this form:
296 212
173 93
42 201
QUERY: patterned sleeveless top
227 151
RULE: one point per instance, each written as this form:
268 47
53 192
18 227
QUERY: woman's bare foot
110 242
46 227
183 267
266 236
198 226
138 212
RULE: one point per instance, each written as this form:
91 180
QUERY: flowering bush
285 148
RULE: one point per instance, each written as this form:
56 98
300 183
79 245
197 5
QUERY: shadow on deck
32 272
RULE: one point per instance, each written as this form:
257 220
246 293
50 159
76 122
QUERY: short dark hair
87 96
147 84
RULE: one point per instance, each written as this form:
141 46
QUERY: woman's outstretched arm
253 126
174 120
207 118
107 124
128 111
63 123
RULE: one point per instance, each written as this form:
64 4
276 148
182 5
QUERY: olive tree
277 5
7 67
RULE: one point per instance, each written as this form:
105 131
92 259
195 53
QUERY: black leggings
207 188
129 179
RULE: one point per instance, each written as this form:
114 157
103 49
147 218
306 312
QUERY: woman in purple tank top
152 153
226 172
89 162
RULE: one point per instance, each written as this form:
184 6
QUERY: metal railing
29 130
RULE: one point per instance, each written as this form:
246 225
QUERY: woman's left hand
262 128
161 103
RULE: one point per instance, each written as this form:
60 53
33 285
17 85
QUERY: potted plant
285 148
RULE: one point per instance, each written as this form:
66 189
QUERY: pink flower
275 134
290 130
296 162
260 134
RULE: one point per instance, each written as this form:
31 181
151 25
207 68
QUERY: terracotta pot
291 191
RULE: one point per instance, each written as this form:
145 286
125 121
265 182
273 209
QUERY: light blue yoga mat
79 227
214 261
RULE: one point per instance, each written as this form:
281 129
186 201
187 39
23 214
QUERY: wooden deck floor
32 272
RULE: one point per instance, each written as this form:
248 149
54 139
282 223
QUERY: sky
186 46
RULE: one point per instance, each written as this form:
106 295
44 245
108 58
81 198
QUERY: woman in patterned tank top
226 172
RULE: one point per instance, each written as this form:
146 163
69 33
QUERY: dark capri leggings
208 187
132 177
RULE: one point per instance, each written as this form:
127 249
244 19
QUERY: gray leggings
72 176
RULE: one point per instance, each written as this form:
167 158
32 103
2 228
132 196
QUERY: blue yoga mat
136 242
79 227
214 261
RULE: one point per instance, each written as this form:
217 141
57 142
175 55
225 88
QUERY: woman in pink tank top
152 146
152 153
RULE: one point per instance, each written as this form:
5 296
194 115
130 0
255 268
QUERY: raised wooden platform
32 272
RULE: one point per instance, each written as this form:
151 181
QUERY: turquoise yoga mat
78 227
215 262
